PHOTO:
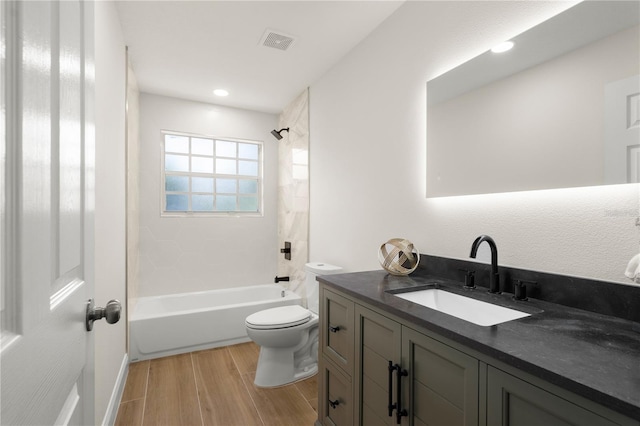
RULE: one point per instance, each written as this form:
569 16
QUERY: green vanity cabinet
514 402
335 360
439 385
378 341
441 382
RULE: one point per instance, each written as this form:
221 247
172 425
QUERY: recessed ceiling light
220 92
502 47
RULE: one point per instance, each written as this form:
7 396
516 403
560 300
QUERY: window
205 175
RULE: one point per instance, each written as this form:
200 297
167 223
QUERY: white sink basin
475 311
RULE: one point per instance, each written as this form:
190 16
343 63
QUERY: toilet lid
284 316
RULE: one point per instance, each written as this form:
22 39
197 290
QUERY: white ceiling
186 49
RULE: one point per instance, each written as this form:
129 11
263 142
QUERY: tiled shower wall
293 191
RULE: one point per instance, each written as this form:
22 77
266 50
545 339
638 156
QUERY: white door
622 131
47 211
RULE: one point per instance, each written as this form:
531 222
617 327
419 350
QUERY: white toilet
288 335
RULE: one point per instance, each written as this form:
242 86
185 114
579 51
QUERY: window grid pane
226 149
203 174
248 151
177 202
226 166
176 183
226 203
176 163
201 146
248 204
202 203
248 168
201 184
248 186
202 164
175 143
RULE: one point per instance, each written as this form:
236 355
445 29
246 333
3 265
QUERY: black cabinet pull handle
391 406
334 329
334 404
399 412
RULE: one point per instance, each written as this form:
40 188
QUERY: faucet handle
520 289
469 279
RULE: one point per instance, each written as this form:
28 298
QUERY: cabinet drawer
338 398
337 329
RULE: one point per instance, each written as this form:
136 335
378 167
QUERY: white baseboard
116 395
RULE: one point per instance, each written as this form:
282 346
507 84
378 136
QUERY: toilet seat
281 317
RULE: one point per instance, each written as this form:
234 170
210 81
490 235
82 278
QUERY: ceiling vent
276 40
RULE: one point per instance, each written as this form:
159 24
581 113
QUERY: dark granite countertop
592 355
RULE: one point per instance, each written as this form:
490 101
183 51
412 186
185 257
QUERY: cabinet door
442 385
514 402
336 329
336 399
378 342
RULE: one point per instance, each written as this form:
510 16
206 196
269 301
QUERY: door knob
111 312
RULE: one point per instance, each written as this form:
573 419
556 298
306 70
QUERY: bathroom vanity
387 360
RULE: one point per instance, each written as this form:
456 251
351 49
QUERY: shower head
276 133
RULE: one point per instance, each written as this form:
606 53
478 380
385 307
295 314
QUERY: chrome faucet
494 278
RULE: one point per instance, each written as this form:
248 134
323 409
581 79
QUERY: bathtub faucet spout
278 279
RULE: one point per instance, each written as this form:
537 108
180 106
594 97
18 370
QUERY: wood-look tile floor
212 387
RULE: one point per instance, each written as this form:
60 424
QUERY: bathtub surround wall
368 133
186 254
293 192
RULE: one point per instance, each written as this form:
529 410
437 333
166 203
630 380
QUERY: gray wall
185 254
368 158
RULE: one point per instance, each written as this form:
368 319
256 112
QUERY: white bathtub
179 323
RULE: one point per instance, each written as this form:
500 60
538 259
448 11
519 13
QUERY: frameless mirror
560 109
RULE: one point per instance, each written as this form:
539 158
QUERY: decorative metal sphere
398 256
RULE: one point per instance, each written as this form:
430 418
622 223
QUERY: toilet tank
313 269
